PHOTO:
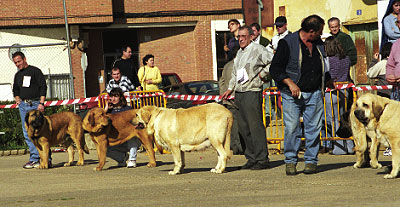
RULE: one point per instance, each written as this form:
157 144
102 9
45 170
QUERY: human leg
312 116
24 108
118 153
291 118
133 146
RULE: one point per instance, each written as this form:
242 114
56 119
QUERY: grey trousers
251 126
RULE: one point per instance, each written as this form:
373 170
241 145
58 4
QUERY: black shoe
260 166
248 165
310 168
291 169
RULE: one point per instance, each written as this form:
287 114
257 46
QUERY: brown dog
46 131
114 129
379 118
195 128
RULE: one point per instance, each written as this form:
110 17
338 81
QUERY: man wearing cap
281 28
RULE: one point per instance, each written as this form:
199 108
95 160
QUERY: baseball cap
281 20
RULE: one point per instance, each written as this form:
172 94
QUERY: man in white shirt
281 28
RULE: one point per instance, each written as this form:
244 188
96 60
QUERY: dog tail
84 146
227 144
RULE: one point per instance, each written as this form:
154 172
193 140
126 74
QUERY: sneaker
310 168
248 165
291 169
131 164
31 164
387 152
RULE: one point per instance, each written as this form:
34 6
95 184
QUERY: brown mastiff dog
379 118
46 131
114 129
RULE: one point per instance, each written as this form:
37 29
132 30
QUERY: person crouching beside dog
29 90
116 104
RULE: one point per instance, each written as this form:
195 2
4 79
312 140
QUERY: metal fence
51 58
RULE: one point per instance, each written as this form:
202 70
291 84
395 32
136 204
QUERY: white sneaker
131 164
387 152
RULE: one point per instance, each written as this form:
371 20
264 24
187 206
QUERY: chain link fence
41 50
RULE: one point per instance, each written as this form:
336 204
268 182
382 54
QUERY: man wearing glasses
281 28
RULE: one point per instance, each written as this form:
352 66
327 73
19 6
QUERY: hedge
10 124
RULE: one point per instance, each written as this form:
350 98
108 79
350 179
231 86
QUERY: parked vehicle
169 79
205 87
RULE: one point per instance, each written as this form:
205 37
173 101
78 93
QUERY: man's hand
40 107
139 88
17 100
292 86
226 94
226 49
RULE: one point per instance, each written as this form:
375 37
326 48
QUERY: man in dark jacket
298 68
344 39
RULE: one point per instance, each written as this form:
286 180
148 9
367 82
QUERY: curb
13 152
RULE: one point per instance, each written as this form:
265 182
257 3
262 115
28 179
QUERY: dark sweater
37 84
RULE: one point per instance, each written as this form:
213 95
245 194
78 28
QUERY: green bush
10 124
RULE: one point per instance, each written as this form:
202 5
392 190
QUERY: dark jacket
348 46
264 41
293 67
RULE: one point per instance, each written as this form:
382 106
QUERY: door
366 39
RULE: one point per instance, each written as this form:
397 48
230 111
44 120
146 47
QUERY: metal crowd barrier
138 99
274 125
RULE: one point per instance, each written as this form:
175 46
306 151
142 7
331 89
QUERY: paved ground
336 184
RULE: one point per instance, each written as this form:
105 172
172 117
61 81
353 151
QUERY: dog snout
360 115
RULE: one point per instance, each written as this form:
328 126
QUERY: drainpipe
71 77
260 8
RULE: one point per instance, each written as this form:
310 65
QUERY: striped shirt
124 84
339 68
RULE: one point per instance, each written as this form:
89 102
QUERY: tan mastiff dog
195 128
46 131
379 118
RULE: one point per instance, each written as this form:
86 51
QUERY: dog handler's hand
293 87
226 94
40 107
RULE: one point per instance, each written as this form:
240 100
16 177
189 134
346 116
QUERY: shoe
131 164
310 168
387 152
121 164
291 169
260 166
31 164
248 165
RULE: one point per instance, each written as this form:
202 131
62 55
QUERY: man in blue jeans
299 70
29 91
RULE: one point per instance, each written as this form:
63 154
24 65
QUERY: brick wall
142 6
42 12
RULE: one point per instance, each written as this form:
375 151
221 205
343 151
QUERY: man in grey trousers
251 67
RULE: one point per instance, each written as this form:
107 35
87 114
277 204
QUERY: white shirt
275 40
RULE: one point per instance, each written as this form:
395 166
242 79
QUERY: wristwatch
42 104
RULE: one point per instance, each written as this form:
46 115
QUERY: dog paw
172 172
375 165
389 176
67 164
43 167
357 165
80 163
151 164
216 171
97 169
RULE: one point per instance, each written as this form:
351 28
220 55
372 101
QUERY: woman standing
339 66
390 31
149 75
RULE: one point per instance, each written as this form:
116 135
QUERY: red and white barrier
191 97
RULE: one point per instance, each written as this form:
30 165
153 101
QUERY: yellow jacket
148 73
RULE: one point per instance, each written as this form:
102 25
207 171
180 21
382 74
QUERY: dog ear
377 109
91 119
146 114
49 123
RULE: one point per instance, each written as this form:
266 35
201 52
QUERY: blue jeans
24 108
310 105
